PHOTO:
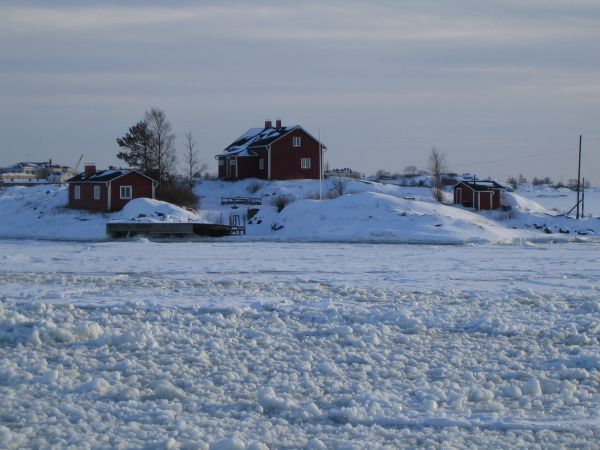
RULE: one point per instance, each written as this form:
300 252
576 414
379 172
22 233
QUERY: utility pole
320 167
582 197
578 177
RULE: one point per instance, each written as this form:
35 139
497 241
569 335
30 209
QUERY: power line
509 159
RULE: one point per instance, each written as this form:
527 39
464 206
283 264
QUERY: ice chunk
257 446
269 400
165 389
229 444
533 387
97 385
480 395
511 392
315 444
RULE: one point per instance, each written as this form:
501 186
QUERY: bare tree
163 142
512 181
410 171
437 166
381 174
192 161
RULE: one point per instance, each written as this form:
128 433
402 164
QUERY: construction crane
78 163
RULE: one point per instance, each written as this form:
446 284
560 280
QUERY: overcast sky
500 87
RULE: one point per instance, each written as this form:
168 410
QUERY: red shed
478 194
272 152
108 190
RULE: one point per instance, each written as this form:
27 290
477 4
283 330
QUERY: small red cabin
108 190
480 195
273 152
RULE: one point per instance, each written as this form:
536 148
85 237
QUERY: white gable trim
134 171
297 127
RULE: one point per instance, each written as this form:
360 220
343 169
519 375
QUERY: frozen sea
237 345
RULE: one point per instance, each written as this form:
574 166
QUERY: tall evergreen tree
138 148
149 146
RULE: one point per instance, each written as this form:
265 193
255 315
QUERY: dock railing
241 201
237 224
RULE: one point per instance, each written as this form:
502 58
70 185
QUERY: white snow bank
367 211
41 212
521 203
370 216
150 210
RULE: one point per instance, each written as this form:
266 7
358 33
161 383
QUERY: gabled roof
482 185
258 137
102 176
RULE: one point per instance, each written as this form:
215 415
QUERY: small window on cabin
232 162
221 162
126 192
77 193
96 192
296 141
261 164
305 163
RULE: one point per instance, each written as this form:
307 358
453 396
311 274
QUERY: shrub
339 185
437 193
178 194
281 201
254 187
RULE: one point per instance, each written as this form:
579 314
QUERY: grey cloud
475 79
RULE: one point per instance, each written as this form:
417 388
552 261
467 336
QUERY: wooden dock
115 230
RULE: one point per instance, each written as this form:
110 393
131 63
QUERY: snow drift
365 212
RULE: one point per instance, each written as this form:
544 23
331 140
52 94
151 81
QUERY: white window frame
296 141
221 161
77 193
232 162
96 192
305 163
261 164
125 192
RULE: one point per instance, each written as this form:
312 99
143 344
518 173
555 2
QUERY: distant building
108 190
272 152
345 172
480 195
35 172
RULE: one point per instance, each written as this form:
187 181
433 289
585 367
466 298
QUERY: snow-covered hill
371 211
561 199
365 212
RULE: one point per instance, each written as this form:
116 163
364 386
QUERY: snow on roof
482 185
101 175
255 137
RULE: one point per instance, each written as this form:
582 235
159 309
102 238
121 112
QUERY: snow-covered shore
367 212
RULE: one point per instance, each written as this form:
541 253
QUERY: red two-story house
108 190
272 153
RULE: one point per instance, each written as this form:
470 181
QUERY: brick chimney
268 124
90 170
277 123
